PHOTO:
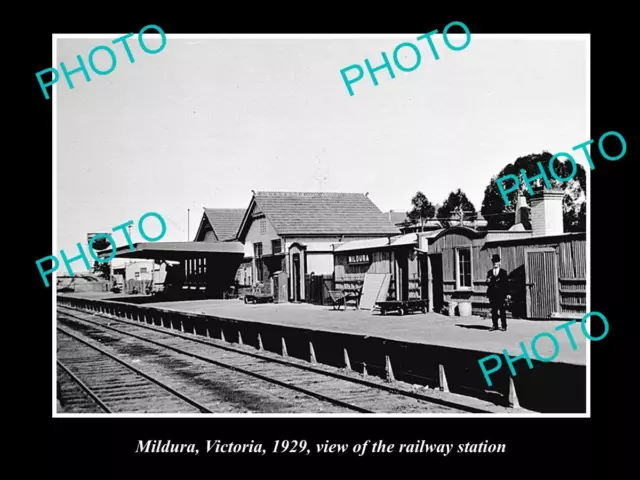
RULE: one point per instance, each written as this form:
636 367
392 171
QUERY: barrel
464 308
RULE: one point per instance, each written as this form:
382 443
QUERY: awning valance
176 251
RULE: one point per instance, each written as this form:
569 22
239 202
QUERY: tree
501 217
102 269
451 206
422 211
101 244
405 225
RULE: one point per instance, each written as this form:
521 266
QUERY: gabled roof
223 221
396 217
319 213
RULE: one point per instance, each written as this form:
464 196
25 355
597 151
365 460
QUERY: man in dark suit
497 291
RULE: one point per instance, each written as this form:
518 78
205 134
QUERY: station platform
470 333
421 348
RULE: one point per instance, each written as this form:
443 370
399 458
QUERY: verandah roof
176 250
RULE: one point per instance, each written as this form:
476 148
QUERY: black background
550 447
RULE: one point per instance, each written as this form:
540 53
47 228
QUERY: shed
402 256
546 267
208 266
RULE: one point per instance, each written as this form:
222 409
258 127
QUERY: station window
263 226
276 246
463 268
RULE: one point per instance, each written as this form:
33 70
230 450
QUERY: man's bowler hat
495 258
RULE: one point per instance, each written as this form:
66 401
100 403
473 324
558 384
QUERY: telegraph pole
129 261
188 215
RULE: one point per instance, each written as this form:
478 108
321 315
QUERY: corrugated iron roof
408 239
363 245
398 218
396 241
320 246
164 250
431 234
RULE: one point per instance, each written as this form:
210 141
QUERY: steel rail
288 386
84 387
361 381
139 372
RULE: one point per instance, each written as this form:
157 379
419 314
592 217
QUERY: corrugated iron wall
351 277
569 281
415 281
542 278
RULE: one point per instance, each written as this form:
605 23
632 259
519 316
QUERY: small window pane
464 268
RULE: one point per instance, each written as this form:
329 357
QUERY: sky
206 120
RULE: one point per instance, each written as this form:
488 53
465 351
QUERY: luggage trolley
403 307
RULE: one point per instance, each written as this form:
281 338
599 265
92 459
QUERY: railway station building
284 241
275 242
206 267
202 269
546 266
287 235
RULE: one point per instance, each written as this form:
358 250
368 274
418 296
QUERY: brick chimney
523 212
546 212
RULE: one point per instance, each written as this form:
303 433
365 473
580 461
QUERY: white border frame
56 37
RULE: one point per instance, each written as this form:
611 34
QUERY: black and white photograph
322 225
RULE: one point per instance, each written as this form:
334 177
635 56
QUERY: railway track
77 397
344 392
112 384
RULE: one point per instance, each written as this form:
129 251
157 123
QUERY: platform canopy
177 251
408 239
379 243
369 244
